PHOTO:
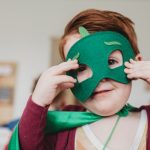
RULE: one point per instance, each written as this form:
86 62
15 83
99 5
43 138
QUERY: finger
63 79
134 75
66 85
65 66
132 61
126 70
128 65
130 76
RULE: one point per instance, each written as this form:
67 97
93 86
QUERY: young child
101 57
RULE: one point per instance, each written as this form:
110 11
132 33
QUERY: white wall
26 28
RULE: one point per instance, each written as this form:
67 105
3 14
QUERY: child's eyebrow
112 43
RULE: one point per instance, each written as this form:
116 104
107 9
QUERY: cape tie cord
111 133
58 121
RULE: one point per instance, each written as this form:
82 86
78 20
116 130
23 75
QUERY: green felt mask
94 50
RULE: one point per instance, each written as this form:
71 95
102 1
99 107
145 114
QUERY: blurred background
29 35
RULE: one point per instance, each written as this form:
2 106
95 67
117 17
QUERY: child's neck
102 128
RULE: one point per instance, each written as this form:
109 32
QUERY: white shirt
136 142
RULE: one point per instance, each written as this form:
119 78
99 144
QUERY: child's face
109 96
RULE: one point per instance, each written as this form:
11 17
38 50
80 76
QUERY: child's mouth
102 92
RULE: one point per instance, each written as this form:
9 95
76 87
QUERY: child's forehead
69 41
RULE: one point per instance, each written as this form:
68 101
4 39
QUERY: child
102 58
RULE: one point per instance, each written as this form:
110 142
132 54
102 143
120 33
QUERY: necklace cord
112 131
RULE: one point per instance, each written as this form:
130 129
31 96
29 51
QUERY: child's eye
81 68
112 62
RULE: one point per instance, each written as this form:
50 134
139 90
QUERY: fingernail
75 80
75 60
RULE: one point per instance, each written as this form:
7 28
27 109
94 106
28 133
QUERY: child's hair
100 20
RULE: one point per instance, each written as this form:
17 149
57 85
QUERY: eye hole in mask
115 59
83 73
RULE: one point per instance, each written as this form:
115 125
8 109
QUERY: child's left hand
138 70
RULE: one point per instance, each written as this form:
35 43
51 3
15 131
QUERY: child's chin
104 111
103 107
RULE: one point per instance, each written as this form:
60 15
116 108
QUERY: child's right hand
52 81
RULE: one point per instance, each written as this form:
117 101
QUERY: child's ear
138 57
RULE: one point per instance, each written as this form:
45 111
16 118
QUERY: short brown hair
100 20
